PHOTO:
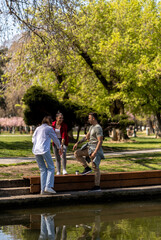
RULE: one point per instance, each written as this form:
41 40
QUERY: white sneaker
64 172
42 192
58 173
49 190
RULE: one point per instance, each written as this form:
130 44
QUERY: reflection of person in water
90 232
61 233
47 231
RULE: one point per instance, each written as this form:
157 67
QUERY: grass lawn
21 146
138 143
15 146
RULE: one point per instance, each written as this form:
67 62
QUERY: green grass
127 163
17 146
138 143
21 146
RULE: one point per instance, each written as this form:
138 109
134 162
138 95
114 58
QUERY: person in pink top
61 131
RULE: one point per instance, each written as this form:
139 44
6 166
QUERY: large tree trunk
78 132
158 125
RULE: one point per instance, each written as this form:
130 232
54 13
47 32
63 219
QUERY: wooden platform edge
74 182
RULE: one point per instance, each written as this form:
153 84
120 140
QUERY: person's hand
75 146
93 155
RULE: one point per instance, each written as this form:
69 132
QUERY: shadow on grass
142 159
24 145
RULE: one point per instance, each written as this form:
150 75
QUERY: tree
39 103
115 45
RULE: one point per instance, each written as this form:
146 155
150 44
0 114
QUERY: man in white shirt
41 149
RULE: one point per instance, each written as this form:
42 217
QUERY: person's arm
84 139
55 140
99 144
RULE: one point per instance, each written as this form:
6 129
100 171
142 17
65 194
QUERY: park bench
74 182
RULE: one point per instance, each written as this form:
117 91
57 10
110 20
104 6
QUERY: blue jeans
47 228
46 172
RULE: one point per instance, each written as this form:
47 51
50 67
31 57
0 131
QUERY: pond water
111 221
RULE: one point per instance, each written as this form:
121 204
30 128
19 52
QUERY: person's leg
43 230
79 156
58 159
97 174
50 225
50 170
43 170
64 160
95 165
64 233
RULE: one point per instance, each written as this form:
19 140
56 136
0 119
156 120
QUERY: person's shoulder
98 125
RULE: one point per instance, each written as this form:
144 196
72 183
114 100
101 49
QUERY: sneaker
49 190
42 192
58 173
96 188
86 171
64 172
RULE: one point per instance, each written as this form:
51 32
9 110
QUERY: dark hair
48 120
93 114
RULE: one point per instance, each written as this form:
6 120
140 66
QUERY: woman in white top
41 149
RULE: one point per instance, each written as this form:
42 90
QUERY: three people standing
57 131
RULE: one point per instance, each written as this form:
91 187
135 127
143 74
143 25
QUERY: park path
70 156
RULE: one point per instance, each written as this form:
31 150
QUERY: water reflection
61 233
47 230
128 221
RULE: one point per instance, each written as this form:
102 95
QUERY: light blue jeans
47 228
46 172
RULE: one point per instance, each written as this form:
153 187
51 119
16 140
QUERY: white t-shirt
58 134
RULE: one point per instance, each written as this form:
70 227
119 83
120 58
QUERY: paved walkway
71 156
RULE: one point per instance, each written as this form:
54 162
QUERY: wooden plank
74 178
66 179
104 185
65 187
131 175
106 176
35 189
73 186
130 183
110 180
